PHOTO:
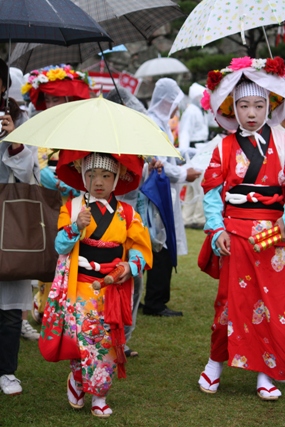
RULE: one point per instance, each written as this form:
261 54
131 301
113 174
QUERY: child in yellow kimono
99 237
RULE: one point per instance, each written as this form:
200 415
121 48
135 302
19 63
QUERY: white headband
101 161
248 88
98 161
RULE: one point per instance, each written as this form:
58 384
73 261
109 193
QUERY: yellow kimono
99 315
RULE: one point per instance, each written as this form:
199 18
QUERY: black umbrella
58 22
125 21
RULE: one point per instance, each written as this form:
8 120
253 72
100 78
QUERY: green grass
161 386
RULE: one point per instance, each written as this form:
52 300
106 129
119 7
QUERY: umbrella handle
267 42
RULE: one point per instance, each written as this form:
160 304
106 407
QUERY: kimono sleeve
138 238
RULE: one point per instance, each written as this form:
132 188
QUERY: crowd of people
104 245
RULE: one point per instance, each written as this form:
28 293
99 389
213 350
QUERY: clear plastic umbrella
161 67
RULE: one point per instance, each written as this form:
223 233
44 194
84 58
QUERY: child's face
102 183
251 112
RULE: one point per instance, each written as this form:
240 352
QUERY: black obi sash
256 161
93 253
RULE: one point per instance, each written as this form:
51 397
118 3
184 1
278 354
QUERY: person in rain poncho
163 105
193 129
130 101
46 88
20 161
244 195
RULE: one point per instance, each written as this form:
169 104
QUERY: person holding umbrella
125 97
100 234
244 195
46 88
21 162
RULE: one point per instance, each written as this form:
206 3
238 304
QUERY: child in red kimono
244 195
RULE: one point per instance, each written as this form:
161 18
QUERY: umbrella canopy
31 56
94 125
131 20
161 67
125 21
215 19
58 22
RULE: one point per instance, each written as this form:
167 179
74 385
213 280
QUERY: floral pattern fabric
249 323
80 310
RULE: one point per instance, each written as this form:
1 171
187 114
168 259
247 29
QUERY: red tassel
118 340
121 371
121 360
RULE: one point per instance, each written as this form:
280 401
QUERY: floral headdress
268 73
61 80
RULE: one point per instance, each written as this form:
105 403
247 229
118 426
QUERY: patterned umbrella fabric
214 19
125 21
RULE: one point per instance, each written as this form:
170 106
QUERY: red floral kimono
249 323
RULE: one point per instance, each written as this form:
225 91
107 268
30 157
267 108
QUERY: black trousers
10 334
158 283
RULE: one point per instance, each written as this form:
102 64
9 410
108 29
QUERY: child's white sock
210 379
265 387
100 402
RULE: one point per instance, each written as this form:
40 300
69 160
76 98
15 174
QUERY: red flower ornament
275 66
214 78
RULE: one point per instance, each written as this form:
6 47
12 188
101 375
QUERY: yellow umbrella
95 125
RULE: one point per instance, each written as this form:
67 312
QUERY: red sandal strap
216 381
78 397
266 389
100 409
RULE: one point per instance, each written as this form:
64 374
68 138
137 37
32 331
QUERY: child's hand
83 219
223 243
282 228
155 164
127 273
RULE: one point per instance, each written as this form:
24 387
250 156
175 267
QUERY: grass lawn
161 387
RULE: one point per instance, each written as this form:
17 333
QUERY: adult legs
138 289
158 283
10 333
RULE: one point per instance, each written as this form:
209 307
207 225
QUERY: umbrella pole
109 71
8 77
90 185
267 42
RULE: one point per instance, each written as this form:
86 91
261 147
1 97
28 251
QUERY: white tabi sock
265 382
209 379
